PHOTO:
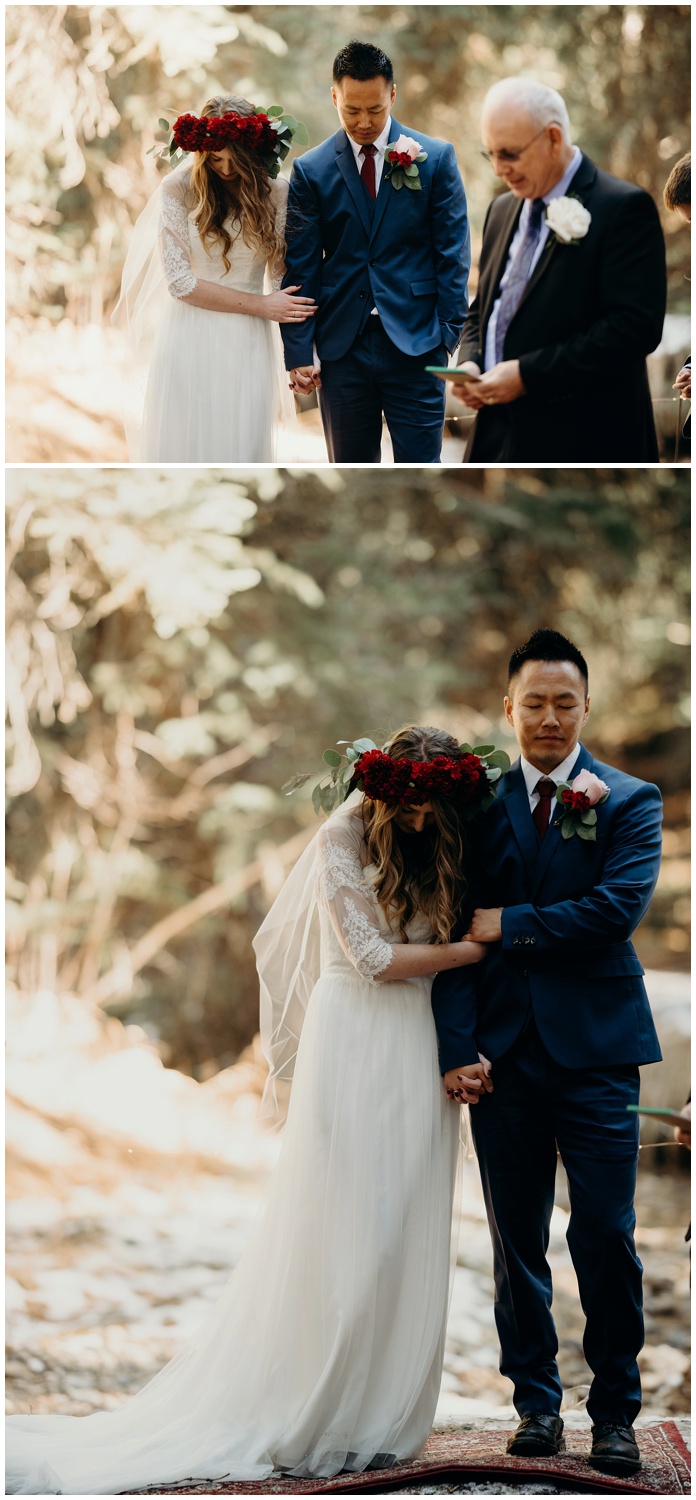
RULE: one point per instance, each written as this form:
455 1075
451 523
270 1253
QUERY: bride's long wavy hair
436 888
248 195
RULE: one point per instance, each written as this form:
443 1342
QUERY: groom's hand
486 925
501 384
305 378
466 1085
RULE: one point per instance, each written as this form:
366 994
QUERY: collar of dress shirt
561 187
560 773
380 141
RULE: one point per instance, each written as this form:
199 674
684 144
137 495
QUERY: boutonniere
401 158
568 219
579 800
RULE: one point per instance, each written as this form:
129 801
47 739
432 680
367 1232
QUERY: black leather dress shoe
539 1435
614 1449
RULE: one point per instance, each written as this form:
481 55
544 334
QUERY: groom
560 1008
385 253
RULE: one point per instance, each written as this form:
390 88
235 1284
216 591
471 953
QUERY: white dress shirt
559 191
380 143
532 775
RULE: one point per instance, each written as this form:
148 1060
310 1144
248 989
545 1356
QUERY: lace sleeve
342 890
276 268
174 242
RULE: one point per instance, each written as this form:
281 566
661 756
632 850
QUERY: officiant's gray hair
544 105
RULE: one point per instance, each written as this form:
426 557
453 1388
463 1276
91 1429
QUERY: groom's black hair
362 61
547 645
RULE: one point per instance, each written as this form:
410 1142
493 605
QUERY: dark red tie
541 813
367 170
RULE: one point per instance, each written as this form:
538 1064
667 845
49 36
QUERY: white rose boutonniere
568 219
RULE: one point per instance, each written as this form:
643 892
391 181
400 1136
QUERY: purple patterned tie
519 276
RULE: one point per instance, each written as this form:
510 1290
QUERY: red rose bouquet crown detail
271 132
401 158
469 780
579 800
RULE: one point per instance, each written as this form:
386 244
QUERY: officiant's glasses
491 156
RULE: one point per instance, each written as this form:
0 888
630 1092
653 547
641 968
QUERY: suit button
524 973
373 262
363 294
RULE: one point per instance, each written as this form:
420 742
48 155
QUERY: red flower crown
270 133
212 132
410 783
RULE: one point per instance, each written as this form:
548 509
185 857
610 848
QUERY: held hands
500 385
281 307
466 1085
486 925
306 378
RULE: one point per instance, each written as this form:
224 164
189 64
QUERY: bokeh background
180 643
85 88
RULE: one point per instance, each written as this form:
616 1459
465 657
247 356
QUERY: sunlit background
180 643
87 84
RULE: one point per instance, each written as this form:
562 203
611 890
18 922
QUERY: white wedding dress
202 387
325 1349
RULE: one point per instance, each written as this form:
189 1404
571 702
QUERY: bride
200 294
324 1351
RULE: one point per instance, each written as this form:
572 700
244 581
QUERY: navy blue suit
560 1008
407 254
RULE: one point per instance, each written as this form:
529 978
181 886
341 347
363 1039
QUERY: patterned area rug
480 1455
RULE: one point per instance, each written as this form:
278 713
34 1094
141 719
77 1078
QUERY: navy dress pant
375 377
536 1107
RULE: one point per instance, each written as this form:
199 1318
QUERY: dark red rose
411 783
399 158
576 801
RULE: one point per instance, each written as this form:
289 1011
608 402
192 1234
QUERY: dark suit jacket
590 313
570 907
407 254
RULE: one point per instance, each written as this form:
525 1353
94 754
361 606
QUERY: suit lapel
554 839
516 804
385 191
351 176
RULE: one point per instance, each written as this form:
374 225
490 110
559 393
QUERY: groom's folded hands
468 1083
486 925
498 386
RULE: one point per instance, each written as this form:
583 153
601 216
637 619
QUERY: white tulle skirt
325 1349
214 389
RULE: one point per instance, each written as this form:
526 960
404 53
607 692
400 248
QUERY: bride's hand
281 307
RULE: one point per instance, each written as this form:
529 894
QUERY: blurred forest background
85 87
182 641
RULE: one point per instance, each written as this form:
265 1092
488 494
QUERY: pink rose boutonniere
579 800
401 159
